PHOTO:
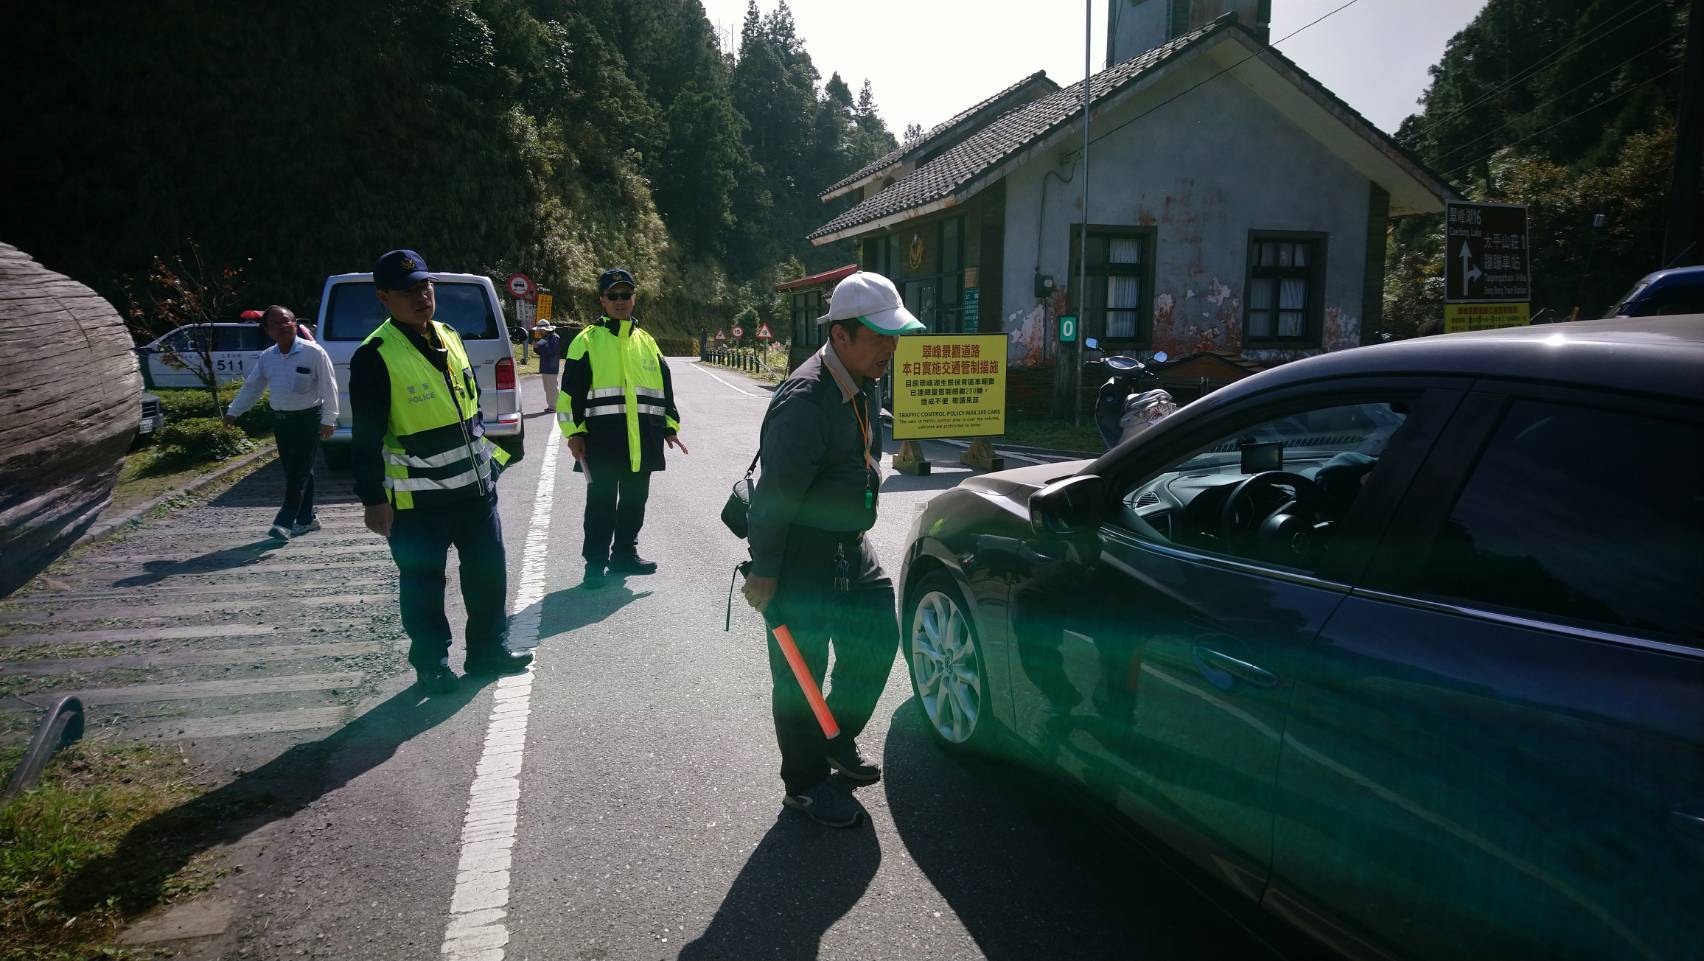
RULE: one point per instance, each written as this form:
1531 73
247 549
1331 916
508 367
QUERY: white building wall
1203 171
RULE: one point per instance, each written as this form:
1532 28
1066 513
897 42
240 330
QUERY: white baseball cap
872 299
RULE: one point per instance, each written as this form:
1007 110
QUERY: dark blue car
1676 291
1403 645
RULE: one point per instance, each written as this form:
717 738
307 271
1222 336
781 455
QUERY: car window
354 311
1316 460
186 340
1683 295
1581 515
240 337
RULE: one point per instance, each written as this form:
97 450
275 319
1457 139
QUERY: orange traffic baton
802 673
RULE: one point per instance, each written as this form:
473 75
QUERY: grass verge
1051 433
90 798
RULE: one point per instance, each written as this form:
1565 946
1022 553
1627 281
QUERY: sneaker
594 576
631 564
846 760
826 805
500 661
438 679
313 524
279 532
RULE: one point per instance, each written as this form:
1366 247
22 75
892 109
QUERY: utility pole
1681 241
1082 246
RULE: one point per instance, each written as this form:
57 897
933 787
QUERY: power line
1591 37
1222 71
1545 103
1607 100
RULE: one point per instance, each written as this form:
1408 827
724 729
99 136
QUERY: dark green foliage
198 440
1565 105
551 136
673 346
189 404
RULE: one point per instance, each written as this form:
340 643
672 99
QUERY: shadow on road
1031 874
933 481
222 560
133 877
568 610
800 880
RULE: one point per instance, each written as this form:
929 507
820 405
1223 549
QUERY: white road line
477 931
700 367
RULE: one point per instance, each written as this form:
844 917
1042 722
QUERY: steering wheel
1233 524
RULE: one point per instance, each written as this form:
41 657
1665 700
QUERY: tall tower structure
1137 26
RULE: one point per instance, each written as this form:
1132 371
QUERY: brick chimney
1137 26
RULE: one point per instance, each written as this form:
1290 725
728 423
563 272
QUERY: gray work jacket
817 468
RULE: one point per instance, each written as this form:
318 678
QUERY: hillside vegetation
551 136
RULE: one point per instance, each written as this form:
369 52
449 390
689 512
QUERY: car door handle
1214 665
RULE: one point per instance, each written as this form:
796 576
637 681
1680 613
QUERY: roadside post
525 292
949 385
1487 267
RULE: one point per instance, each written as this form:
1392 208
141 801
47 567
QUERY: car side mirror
1071 506
1091 343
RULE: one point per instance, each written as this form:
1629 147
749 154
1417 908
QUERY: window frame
1313 311
1399 559
1095 326
1435 401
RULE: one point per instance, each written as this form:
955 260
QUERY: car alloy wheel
946 668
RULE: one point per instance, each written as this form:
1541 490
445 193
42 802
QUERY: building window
1120 283
1285 295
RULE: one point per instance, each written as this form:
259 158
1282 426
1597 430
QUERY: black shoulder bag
734 516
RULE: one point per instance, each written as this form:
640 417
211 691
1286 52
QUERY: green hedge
198 440
193 403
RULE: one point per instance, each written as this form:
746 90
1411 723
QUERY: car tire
943 655
336 456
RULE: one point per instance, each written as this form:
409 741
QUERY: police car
178 358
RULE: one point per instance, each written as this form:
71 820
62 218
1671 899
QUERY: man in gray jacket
813 569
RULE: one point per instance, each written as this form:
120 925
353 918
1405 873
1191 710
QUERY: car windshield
354 310
1358 428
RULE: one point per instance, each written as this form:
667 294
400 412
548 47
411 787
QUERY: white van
350 310
173 360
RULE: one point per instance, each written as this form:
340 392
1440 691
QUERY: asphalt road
647 820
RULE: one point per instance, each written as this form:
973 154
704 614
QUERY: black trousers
298 435
615 510
420 542
861 626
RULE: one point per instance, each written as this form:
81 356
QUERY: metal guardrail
62 727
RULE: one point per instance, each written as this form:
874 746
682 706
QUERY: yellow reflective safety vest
435 449
626 409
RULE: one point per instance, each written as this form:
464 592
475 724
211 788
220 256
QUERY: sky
928 59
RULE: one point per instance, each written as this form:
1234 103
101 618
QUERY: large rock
70 404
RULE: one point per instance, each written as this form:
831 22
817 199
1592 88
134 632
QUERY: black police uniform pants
615 510
298 435
420 541
860 625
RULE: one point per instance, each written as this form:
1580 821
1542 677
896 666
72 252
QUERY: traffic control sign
738 331
763 332
521 287
720 335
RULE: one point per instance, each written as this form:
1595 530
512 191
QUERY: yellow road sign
949 385
1460 317
545 302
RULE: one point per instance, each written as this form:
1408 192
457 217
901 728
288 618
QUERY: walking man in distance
301 389
427 475
812 568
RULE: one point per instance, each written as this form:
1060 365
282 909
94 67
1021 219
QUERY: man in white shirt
303 397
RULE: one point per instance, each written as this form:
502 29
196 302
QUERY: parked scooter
1132 399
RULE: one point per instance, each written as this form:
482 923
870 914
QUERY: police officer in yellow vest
617 410
427 475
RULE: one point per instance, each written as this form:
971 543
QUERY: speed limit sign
521 287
